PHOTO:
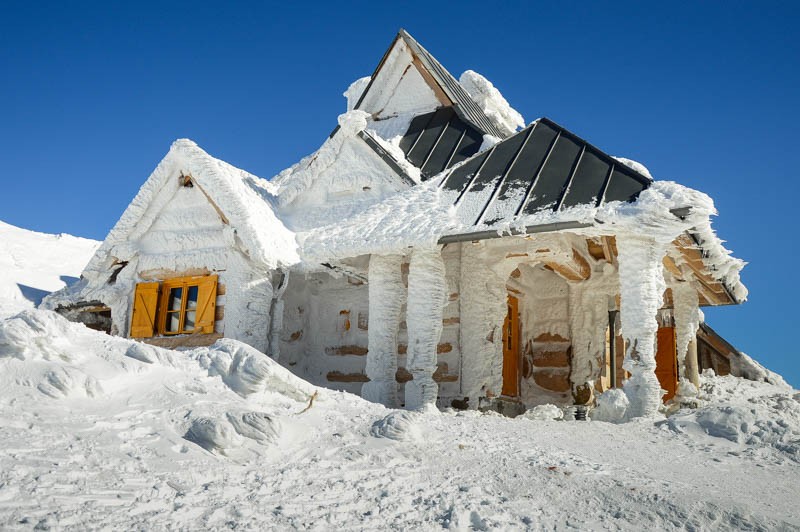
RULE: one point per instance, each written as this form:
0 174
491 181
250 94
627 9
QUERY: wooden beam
671 267
595 248
577 269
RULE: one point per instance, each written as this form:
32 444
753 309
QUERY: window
184 305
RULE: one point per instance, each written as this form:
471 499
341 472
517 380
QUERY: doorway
511 351
667 361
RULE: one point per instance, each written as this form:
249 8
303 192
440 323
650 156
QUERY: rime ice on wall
483 308
589 305
223 223
386 296
641 288
426 299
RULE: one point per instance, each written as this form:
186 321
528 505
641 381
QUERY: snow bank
401 425
494 105
246 371
752 414
546 412
243 393
612 406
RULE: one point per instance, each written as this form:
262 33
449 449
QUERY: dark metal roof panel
465 106
438 140
542 167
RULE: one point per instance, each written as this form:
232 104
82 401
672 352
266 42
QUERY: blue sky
92 95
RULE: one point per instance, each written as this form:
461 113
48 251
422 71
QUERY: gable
410 81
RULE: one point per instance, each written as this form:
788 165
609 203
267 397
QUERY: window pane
175 298
173 322
191 297
188 322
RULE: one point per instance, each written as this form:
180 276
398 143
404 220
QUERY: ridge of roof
245 201
464 105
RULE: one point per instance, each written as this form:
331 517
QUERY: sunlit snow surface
99 431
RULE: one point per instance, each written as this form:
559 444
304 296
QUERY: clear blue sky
92 95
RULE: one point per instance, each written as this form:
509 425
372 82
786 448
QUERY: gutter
531 229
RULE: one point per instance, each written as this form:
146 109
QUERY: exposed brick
440 375
451 321
343 350
338 376
296 336
402 375
551 359
552 379
550 337
443 348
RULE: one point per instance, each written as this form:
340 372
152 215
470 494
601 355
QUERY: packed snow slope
34 264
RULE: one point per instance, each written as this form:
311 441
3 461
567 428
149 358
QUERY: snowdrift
100 431
43 353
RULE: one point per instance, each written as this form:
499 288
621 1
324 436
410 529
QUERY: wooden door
667 361
511 354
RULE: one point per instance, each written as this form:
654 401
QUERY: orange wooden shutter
145 302
206 304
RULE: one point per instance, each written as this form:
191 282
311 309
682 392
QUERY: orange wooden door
511 357
667 361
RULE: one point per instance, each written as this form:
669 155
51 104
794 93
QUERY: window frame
185 284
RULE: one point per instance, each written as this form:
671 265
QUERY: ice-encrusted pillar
426 300
642 286
687 321
386 294
483 307
588 318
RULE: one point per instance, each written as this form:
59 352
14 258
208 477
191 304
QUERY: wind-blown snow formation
488 98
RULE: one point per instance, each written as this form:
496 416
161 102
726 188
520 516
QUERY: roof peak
452 91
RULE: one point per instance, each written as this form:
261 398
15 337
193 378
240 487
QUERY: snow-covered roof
466 107
243 200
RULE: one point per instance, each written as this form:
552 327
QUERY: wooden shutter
206 304
145 303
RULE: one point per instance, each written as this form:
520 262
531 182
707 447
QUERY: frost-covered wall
325 336
325 329
545 334
189 237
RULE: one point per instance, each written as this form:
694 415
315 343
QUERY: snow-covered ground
98 431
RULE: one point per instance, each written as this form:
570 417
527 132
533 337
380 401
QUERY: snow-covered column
588 317
484 305
642 288
426 299
687 320
692 366
386 293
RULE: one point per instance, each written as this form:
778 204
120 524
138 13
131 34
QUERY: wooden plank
577 269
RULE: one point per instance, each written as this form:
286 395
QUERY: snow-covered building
435 249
